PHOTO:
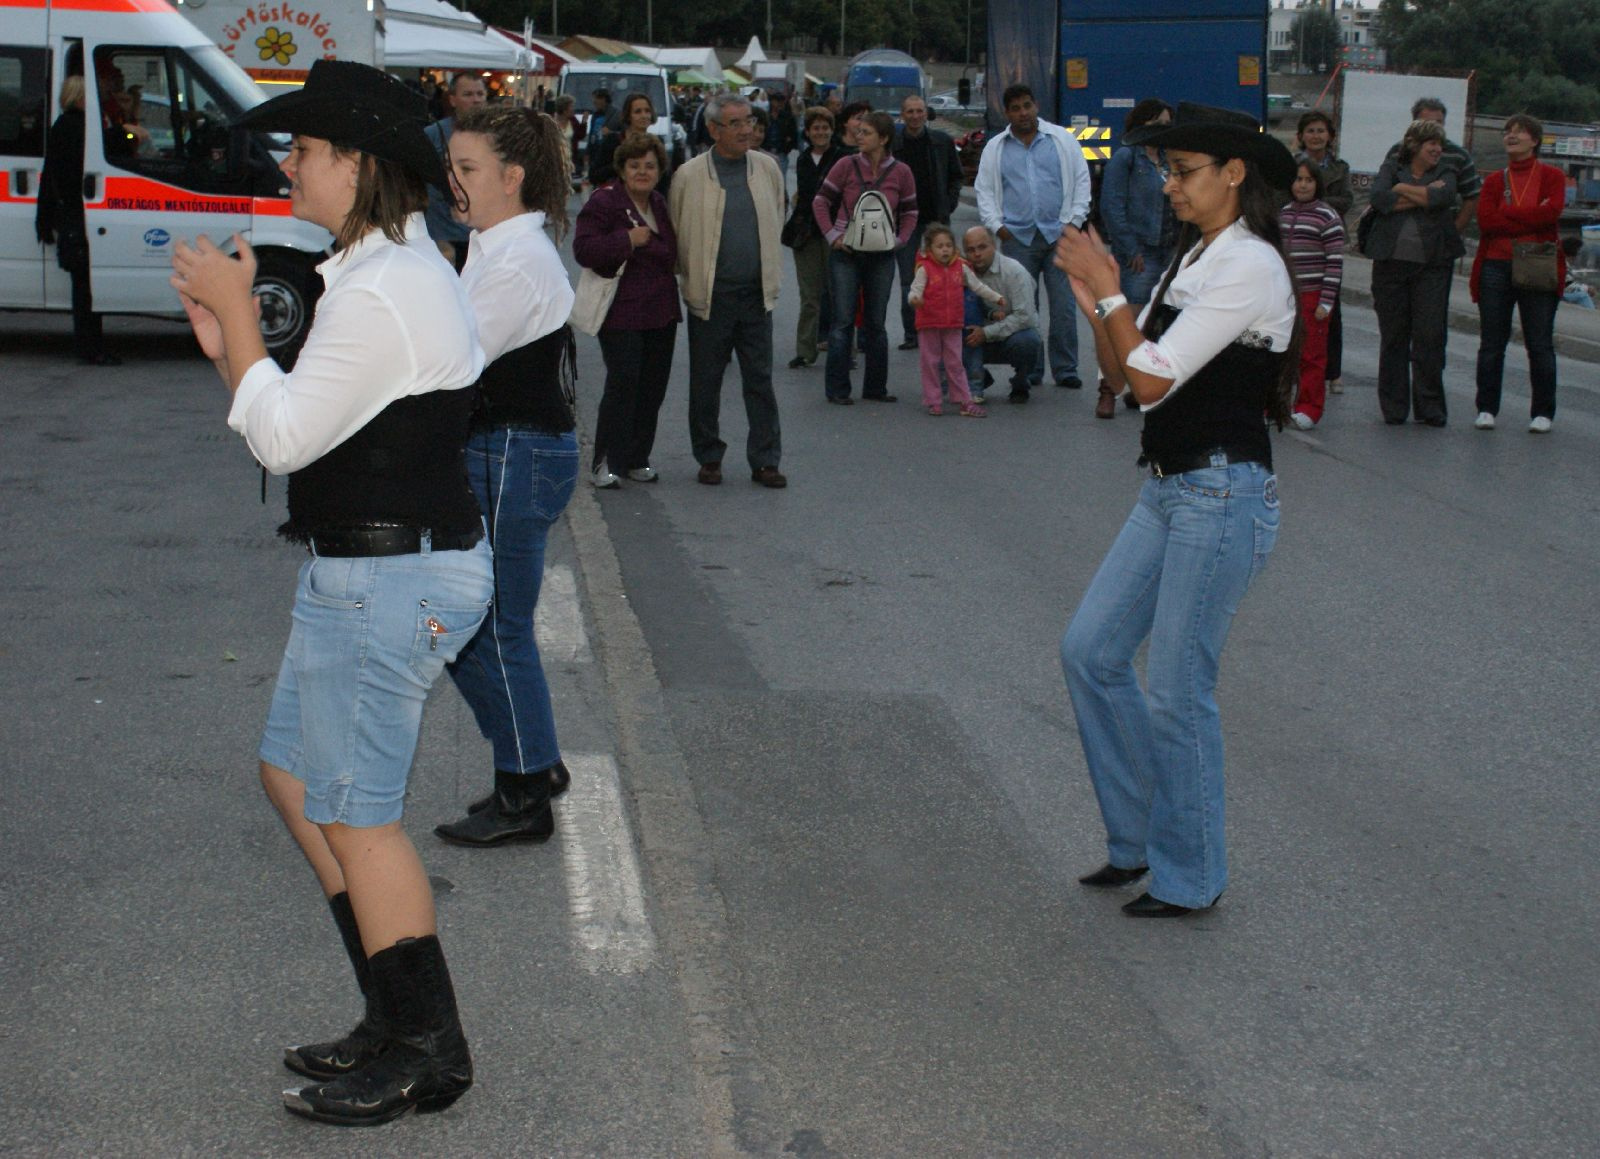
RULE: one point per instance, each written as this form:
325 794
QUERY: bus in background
884 78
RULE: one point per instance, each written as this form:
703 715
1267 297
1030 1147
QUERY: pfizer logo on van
156 238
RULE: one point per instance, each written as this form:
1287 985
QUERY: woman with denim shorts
510 173
1211 354
371 427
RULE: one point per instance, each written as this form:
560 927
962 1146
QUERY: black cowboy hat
1223 133
356 106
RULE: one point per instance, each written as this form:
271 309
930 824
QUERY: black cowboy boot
327 1060
560 778
425 1065
518 810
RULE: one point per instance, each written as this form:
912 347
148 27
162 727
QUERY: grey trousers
739 324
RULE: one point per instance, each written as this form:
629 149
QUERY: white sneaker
1336 387
643 475
1484 421
1539 426
1302 422
604 479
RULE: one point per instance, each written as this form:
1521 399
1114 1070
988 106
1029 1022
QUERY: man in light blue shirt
1032 183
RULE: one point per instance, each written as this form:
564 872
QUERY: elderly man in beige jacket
727 209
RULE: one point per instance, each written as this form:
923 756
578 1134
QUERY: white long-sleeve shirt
392 322
516 283
1237 288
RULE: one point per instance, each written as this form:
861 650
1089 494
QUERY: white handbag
593 300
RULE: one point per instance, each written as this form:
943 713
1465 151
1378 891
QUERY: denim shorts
370 636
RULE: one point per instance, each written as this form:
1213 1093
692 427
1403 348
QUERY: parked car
970 148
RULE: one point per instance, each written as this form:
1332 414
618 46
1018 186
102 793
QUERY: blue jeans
1022 351
1496 297
371 634
1035 258
1176 574
870 276
1140 287
523 480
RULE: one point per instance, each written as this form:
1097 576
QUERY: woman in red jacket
1521 202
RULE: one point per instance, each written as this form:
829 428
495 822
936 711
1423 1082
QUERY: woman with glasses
1211 354
1521 203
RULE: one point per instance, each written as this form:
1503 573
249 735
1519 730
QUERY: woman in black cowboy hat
1208 357
370 427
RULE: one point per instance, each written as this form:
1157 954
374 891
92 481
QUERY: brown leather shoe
1105 407
768 477
710 474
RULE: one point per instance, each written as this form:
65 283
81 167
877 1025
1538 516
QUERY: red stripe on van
95 5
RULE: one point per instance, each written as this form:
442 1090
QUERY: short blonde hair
72 93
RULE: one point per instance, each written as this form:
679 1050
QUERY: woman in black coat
59 219
802 236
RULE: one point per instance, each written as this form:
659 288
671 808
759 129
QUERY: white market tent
434 34
701 60
752 53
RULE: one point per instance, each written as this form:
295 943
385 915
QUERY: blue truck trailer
884 77
1089 61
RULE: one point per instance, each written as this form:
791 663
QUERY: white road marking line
604 888
558 620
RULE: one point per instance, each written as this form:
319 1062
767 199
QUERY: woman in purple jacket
625 224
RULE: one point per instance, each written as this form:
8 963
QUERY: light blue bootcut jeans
523 480
1175 574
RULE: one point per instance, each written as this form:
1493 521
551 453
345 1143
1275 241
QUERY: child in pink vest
936 292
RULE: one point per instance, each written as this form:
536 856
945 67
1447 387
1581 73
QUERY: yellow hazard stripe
1095 152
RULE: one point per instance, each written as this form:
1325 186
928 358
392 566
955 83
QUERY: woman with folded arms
371 428
1213 351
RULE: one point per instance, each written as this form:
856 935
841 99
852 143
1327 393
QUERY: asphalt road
831 910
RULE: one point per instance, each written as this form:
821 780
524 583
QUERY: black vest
1223 405
531 386
407 466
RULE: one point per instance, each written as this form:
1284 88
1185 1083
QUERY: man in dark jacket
936 165
783 129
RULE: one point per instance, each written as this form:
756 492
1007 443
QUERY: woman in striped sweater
1313 233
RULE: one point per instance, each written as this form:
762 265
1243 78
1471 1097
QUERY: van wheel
285 286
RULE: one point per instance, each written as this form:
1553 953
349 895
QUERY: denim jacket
1132 205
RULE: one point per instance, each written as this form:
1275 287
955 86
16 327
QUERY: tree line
1540 57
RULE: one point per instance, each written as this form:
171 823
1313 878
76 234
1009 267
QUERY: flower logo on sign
276 44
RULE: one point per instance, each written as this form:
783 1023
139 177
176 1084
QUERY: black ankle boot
327 1060
425 1065
560 778
518 810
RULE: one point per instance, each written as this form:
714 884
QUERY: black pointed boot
327 1060
519 810
560 778
425 1065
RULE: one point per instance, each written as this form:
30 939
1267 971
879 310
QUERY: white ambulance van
164 166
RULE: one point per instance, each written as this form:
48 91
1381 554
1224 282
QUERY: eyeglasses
1168 172
736 122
